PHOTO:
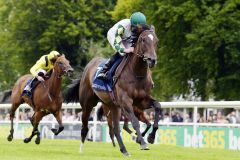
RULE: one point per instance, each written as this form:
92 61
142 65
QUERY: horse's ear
152 28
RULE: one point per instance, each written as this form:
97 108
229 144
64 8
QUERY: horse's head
63 67
146 46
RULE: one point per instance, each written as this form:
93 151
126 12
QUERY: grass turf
69 150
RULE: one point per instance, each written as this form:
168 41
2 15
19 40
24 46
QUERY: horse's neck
54 84
138 66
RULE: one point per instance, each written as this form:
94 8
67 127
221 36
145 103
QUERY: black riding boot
103 73
27 92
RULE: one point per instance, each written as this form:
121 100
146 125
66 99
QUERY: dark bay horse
132 88
47 98
138 113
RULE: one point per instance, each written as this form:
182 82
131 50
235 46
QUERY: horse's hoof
61 129
138 140
151 138
126 154
37 141
26 140
143 134
114 145
10 137
144 147
54 130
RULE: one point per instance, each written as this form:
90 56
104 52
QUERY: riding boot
27 93
103 73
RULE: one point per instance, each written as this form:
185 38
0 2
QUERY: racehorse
132 87
138 113
47 98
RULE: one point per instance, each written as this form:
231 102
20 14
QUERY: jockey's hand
129 50
40 78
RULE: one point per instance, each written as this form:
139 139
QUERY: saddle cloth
105 85
34 83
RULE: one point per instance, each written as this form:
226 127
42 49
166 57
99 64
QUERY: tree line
198 50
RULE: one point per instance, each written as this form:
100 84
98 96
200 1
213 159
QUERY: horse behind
47 98
132 88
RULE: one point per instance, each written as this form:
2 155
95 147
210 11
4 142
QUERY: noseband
60 64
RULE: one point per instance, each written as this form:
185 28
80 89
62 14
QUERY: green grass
69 150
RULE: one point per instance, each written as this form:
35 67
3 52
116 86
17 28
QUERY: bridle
62 68
140 53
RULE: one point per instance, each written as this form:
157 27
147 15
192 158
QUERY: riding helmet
138 18
53 54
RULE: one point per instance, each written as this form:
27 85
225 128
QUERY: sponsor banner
206 137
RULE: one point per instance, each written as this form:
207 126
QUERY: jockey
43 66
119 36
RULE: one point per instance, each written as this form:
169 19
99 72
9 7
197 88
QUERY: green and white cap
138 18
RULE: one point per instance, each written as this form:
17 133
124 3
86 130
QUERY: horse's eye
60 63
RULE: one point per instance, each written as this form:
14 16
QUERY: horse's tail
6 94
72 92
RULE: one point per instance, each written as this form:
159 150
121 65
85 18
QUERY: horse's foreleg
116 114
136 126
58 116
35 121
126 128
140 115
144 120
128 108
157 108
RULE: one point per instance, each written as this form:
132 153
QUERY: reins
139 54
58 77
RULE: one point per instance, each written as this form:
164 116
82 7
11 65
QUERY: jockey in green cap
42 67
121 36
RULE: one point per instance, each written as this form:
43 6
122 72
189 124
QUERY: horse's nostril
71 70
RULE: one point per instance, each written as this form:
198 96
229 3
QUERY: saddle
108 84
34 83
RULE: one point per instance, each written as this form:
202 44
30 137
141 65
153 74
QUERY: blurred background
198 50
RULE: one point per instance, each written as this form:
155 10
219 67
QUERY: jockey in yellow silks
119 35
43 66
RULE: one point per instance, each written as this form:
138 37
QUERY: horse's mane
141 28
145 27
